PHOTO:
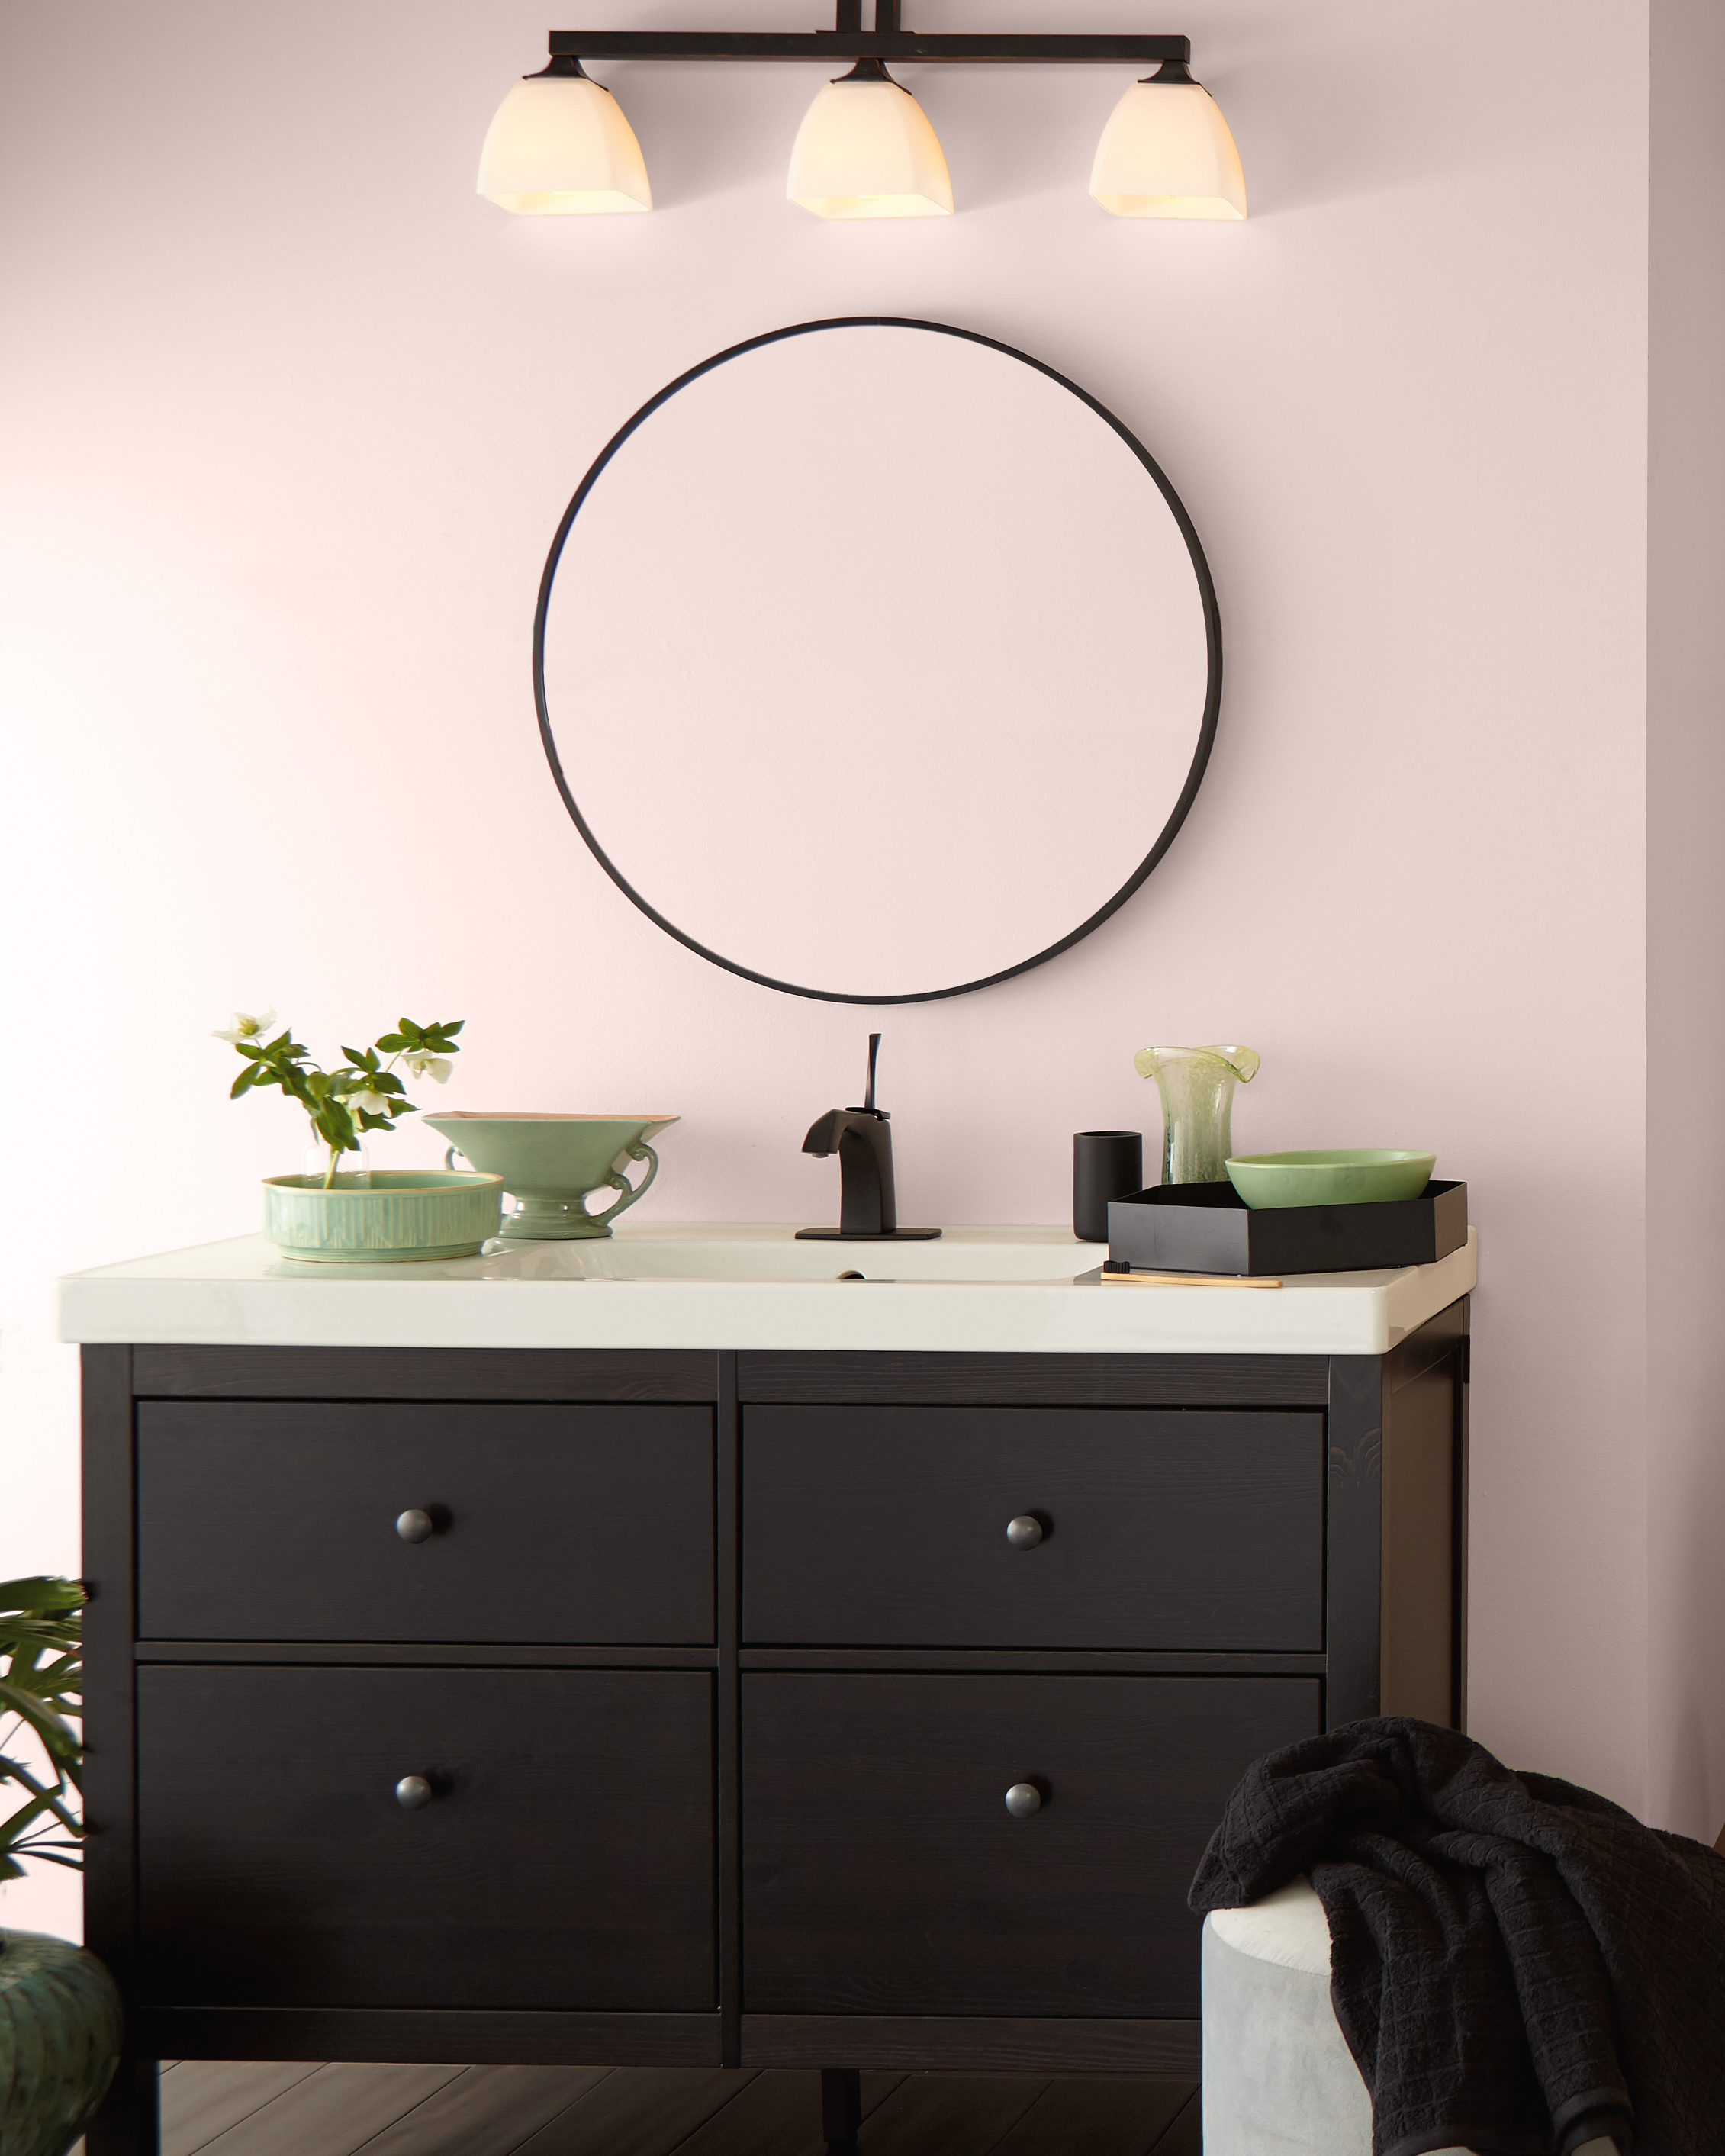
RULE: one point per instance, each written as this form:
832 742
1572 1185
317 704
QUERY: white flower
435 1066
245 1027
369 1104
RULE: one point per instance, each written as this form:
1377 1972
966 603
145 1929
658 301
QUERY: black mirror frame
1212 638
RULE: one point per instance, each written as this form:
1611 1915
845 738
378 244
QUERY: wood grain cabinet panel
565 1860
883 1874
886 1526
274 1520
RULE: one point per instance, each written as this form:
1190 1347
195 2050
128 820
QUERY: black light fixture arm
889 40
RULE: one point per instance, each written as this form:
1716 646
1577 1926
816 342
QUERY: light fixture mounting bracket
887 41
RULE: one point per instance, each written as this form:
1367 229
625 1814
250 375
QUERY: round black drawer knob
1023 1799
1025 1531
412 1792
414 1526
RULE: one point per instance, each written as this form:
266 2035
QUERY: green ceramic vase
60 2022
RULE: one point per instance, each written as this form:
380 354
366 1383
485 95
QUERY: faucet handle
868 1108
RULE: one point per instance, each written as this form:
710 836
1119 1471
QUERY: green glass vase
60 2023
1197 1088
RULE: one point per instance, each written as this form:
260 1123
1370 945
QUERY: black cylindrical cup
1105 1164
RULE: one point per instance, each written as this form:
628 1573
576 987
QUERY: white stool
1279 2079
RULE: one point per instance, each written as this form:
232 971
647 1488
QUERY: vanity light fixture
560 147
1166 151
866 149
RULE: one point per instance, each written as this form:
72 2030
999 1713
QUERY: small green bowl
1268 1180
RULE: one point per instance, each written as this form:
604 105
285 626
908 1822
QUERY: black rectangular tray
1209 1228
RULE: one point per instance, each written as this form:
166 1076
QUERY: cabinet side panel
1419 1547
110 1869
1354 1529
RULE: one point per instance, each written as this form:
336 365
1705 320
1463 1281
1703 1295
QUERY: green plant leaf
42 1593
59 1740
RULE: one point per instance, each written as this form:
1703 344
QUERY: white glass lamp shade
1166 151
866 149
560 147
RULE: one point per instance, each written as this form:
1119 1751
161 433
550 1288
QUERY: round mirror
876 661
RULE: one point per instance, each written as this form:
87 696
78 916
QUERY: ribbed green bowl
60 2023
393 1216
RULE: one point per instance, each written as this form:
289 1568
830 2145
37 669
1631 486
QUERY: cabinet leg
841 2109
130 2121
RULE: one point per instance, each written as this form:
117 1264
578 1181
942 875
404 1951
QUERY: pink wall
292 415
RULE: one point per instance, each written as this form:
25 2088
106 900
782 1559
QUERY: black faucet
862 1138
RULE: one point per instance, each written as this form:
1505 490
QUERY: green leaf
59 1740
43 1592
392 1044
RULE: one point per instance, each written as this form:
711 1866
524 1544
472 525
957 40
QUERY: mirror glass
876 661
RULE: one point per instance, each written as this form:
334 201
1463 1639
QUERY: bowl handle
451 1156
617 1180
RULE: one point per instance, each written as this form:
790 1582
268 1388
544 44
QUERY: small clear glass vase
353 1170
1197 1088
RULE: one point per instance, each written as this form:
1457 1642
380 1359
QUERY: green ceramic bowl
396 1216
1267 1180
552 1164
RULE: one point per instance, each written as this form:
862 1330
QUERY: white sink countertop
976 1290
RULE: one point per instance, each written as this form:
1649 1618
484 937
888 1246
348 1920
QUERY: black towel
1518 1965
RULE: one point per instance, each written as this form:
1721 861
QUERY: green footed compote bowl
551 1163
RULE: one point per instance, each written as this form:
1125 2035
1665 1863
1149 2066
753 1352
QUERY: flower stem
330 1171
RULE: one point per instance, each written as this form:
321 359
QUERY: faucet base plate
851 1235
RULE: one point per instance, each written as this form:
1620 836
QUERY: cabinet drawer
882 1873
886 1526
566 1860
277 1521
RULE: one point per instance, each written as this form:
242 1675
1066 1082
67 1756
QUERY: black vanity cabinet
791 1709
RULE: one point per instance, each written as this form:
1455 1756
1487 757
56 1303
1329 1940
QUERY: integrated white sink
976 1290
763 1253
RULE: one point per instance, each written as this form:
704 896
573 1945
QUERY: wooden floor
221 2109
